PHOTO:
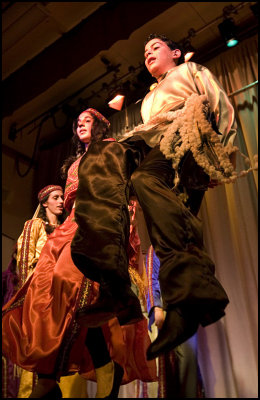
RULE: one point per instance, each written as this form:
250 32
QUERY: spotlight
117 102
228 32
189 50
116 98
254 9
118 95
188 55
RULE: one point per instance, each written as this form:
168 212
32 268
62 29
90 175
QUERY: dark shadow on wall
51 156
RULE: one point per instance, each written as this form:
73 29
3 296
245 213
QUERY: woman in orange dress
40 329
17 382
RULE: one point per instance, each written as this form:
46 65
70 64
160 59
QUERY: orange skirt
39 330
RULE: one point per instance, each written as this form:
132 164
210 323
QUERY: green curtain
228 349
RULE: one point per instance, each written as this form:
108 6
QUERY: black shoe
123 304
118 376
175 330
39 392
211 317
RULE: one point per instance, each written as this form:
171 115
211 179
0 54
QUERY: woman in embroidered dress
49 214
40 330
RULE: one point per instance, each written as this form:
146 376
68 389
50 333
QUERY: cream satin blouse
180 83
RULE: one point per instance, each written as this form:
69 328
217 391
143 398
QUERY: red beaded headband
98 115
47 190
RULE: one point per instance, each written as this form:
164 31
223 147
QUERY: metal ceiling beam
112 22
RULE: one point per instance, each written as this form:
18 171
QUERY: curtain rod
243 88
9 237
70 97
229 10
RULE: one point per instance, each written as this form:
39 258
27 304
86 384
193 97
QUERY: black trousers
97 348
99 248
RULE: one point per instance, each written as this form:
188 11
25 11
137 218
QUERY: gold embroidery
17 303
72 181
86 293
25 252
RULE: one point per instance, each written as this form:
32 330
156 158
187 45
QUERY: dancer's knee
139 179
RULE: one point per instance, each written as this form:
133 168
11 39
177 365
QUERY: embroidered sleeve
29 247
154 292
71 185
136 265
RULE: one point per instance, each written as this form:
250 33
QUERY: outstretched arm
154 303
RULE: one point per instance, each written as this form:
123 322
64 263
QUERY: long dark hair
170 43
99 131
43 215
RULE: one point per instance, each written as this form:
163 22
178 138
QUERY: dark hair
99 131
42 214
170 43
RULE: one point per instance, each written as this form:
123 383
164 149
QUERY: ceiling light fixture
118 94
188 55
117 102
227 30
188 49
